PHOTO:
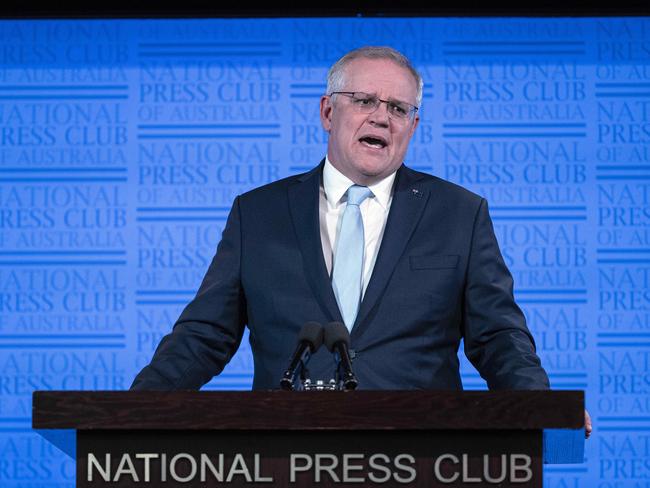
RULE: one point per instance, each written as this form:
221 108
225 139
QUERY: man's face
367 147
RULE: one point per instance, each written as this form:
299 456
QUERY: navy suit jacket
439 277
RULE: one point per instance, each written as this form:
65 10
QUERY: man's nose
380 116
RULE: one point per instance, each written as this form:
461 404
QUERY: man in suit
424 272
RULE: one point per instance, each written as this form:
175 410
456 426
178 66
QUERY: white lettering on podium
163 467
486 469
372 462
183 467
216 472
405 467
327 463
126 467
147 457
466 477
379 468
238 467
104 472
352 468
518 466
258 475
348 466
294 467
172 467
436 468
515 467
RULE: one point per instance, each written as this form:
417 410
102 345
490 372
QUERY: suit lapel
406 208
304 208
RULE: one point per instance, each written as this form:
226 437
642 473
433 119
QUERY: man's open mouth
374 142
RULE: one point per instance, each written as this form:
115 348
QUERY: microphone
310 339
337 340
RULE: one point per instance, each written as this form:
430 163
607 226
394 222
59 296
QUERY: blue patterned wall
123 144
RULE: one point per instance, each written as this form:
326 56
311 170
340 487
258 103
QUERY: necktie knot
357 194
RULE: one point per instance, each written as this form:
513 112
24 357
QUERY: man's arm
497 341
210 328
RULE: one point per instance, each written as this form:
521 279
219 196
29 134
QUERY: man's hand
587 425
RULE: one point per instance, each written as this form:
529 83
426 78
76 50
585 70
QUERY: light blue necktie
348 258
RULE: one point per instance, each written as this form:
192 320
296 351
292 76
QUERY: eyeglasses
367 104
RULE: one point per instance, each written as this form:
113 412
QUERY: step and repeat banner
124 142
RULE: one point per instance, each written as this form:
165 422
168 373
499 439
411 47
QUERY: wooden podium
301 439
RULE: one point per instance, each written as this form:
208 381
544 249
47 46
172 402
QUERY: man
411 269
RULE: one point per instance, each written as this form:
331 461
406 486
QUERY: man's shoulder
278 188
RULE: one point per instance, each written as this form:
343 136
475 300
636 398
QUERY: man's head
368 138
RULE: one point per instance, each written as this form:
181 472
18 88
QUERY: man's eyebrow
390 99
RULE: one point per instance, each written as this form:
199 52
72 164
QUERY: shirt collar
336 184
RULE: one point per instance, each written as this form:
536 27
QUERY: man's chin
374 174
372 164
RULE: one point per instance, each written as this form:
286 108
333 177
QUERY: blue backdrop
123 144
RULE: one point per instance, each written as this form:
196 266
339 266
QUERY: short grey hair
336 74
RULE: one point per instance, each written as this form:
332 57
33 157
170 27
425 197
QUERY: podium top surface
326 410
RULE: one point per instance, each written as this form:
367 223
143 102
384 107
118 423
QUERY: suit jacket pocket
438 261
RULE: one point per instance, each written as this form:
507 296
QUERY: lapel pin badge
417 192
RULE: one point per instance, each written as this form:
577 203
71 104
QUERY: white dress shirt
374 212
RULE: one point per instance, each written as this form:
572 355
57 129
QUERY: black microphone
310 339
337 340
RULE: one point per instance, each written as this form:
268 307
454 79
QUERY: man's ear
326 112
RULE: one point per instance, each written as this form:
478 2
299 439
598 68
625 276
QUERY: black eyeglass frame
409 116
